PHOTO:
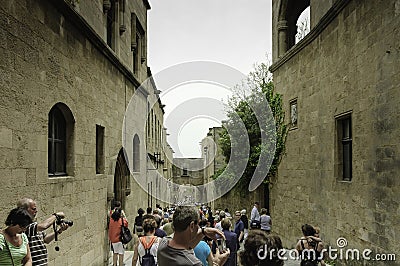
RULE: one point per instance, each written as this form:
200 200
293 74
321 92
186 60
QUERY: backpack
255 224
310 261
147 259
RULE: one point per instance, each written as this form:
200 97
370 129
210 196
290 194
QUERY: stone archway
122 186
289 12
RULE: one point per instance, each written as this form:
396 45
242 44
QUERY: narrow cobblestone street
127 259
129 255
281 116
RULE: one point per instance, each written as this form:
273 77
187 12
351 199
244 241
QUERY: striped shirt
36 244
18 253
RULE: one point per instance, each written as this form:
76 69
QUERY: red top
114 230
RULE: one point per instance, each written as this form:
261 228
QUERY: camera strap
55 231
55 236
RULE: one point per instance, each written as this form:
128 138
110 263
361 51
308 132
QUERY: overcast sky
236 33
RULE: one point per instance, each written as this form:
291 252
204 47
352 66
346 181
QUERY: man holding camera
35 231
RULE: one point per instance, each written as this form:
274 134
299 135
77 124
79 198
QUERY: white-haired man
35 231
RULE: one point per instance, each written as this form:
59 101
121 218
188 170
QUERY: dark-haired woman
138 226
257 243
312 244
114 233
14 245
148 241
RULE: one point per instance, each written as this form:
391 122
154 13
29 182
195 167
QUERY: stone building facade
73 115
188 175
159 152
340 86
212 154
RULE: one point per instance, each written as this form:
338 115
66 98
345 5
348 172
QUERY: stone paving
127 258
129 255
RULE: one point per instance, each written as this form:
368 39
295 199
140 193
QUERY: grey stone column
282 37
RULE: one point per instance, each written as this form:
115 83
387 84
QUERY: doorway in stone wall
121 179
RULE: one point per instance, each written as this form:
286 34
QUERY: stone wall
349 65
47 59
319 9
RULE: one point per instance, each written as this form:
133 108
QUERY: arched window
289 13
60 128
136 154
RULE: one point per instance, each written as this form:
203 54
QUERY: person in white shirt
255 215
221 217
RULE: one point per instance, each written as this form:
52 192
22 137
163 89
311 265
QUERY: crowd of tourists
187 235
182 235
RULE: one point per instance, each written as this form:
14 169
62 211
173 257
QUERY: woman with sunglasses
14 245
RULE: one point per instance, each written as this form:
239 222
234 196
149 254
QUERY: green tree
244 106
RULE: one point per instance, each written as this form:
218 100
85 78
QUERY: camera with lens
67 222
60 221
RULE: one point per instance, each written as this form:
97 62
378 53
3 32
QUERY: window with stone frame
110 27
60 145
100 163
293 113
136 154
138 43
148 125
344 147
289 14
184 171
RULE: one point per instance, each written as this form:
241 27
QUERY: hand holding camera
60 220
63 225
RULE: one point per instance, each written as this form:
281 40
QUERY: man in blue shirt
239 226
231 242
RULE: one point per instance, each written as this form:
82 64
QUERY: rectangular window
138 44
110 26
344 144
184 172
99 150
293 113
136 56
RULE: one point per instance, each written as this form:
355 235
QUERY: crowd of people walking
182 235
187 235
